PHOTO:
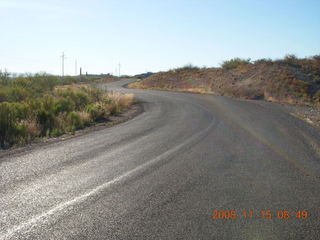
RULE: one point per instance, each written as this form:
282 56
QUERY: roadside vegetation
48 106
289 80
235 63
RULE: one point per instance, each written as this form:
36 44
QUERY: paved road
161 174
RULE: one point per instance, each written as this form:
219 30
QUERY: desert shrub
32 127
67 92
118 102
291 59
36 84
7 120
96 111
21 133
10 130
81 99
4 77
22 82
126 100
234 63
13 94
60 124
4 94
187 67
107 100
45 114
74 121
85 118
46 120
18 94
263 61
96 94
57 132
113 108
63 105
316 58
34 106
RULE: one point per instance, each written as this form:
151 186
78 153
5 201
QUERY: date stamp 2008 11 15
263 214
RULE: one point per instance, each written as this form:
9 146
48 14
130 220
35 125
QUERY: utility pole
76 68
63 58
119 69
80 71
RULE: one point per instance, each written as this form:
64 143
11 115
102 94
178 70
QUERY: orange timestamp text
263 214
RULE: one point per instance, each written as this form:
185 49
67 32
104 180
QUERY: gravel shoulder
306 113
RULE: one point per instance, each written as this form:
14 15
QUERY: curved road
162 174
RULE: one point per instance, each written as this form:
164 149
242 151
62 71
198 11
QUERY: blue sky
149 35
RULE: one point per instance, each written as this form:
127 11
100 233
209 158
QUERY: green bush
291 59
10 130
64 105
96 111
7 120
234 63
263 61
74 121
96 94
114 109
4 77
4 94
187 67
80 98
57 132
18 94
46 119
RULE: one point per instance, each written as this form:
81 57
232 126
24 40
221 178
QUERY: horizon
149 36
25 74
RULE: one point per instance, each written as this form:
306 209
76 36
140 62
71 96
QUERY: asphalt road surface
163 174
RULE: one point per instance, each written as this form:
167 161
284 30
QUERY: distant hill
289 80
143 75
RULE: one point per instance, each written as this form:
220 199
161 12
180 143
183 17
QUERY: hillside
289 80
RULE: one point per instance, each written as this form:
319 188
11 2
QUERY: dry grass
73 86
137 85
198 90
84 117
32 127
124 100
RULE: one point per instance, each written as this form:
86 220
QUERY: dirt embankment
294 82
289 81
